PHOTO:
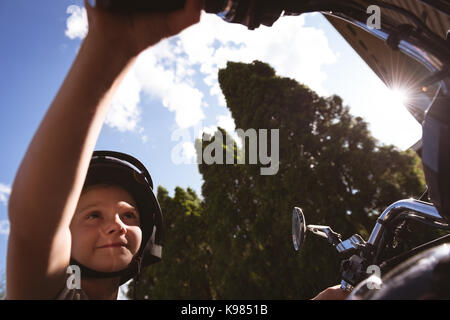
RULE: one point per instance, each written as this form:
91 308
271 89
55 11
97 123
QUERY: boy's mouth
114 245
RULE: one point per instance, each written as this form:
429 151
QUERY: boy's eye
93 215
129 215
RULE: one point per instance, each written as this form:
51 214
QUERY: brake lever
325 232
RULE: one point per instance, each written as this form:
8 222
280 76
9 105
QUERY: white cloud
170 84
226 122
189 153
291 48
124 113
168 71
5 191
4 227
77 26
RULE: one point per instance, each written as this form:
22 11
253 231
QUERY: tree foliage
183 272
236 243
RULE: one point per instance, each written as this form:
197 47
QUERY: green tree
237 243
183 272
330 166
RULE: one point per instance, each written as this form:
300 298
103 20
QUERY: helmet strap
137 277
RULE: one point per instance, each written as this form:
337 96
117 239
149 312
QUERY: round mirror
298 228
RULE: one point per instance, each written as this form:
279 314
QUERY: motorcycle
424 271
415 34
361 273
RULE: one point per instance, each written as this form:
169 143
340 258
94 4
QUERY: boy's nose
115 225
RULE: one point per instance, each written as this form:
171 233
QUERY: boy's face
105 229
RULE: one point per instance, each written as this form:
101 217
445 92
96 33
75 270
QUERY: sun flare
396 98
394 123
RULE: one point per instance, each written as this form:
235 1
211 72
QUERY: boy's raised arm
50 178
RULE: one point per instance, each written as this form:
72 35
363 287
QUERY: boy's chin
112 268
113 264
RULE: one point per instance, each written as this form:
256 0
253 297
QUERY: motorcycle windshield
402 41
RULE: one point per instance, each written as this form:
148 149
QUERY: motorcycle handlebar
420 208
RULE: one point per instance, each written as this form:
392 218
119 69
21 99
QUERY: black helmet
109 167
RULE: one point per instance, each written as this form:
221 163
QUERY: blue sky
173 87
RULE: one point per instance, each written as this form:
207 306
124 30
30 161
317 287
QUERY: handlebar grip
138 5
346 286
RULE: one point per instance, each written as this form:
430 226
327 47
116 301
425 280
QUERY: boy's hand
133 33
332 293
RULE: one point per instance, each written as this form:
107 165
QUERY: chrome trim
425 58
422 209
354 242
322 231
346 286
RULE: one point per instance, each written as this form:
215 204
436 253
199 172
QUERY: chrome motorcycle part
298 228
346 286
325 232
422 209
355 242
